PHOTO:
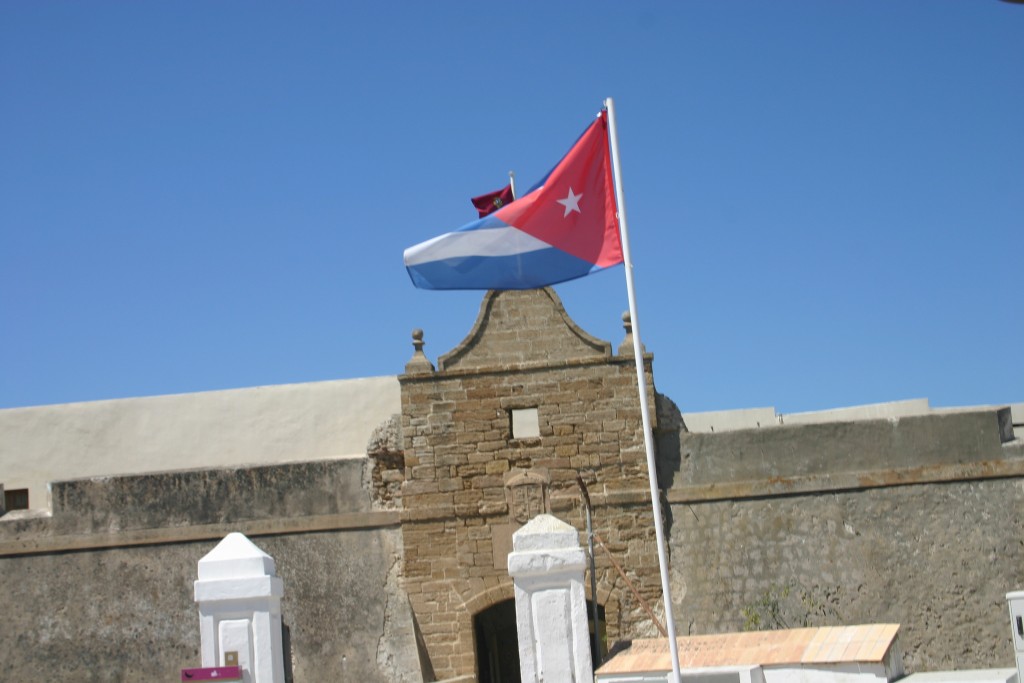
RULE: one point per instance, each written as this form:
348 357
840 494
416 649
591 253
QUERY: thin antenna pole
641 380
512 183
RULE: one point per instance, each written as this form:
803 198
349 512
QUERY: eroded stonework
387 559
470 484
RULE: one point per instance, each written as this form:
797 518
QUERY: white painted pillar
1015 600
239 597
546 565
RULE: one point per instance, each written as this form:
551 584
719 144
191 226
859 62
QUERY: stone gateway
390 506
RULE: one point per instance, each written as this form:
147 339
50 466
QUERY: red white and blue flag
562 229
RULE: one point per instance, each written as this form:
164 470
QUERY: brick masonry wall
459 454
937 558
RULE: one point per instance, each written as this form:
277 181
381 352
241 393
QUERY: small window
525 423
16 499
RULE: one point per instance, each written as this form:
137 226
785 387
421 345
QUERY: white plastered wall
261 425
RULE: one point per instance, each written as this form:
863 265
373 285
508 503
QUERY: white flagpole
642 385
512 184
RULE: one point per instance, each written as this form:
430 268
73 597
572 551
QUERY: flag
562 229
492 201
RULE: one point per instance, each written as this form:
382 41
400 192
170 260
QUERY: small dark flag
492 201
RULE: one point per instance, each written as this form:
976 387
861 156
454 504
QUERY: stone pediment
522 327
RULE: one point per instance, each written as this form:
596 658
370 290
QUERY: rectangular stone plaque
501 543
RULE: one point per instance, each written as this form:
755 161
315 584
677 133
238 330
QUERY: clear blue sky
826 199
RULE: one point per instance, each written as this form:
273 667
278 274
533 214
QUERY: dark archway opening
598 636
497 642
497 646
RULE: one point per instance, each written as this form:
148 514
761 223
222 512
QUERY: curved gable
522 327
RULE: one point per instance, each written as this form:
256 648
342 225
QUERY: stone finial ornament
419 363
626 347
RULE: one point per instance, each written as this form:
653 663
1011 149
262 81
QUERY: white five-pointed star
571 203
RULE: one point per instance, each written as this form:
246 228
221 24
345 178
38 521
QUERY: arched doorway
497 642
497 646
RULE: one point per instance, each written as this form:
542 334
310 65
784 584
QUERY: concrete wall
752 418
261 425
874 411
918 521
102 590
789 451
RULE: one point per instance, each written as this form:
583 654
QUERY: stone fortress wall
917 520
101 590
389 552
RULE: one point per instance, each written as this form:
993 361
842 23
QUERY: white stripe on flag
507 241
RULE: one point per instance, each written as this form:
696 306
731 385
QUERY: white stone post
546 565
1015 600
239 597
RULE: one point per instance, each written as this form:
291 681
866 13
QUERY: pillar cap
235 557
545 532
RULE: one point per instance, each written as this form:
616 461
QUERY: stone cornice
34 544
516 368
847 481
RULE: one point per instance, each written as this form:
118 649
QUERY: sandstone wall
463 467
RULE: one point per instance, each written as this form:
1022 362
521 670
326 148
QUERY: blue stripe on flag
521 271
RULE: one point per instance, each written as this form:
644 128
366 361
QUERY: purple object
213 673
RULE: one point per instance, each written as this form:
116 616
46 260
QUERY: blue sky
825 198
